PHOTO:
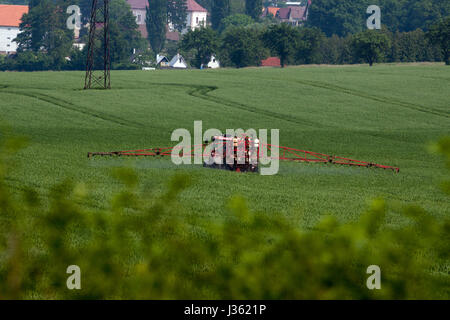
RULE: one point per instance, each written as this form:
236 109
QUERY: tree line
243 46
345 17
237 40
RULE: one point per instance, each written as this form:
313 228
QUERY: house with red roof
196 16
295 15
10 19
270 11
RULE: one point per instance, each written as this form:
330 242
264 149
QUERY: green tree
308 46
219 11
439 34
207 4
16 2
236 20
124 34
243 47
344 17
281 39
85 7
237 6
413 46
421 14
341 17
159 14
393 13
370 45
176 13
44 30
332 50
203 42
253 8
156 24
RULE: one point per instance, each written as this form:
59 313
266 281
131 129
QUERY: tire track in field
391 101
202 92
72 107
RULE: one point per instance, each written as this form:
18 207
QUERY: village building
213 63
178 62
196 16
162 61
10 19
270 11
294 14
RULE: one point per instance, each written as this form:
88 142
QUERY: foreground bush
142 247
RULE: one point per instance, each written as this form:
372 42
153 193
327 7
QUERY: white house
213 63
10 19
178 62
196 16
162 61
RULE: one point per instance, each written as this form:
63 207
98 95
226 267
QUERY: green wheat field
388 114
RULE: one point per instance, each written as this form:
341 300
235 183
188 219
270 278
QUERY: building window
196 20
139 17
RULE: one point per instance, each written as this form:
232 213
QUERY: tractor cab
240 154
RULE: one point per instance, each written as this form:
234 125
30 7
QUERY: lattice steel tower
98 62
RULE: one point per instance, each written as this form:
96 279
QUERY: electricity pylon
98 63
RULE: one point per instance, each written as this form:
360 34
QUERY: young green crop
386 114
142 247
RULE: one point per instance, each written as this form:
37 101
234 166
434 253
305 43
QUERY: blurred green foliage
139 248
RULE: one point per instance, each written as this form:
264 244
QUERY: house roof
173 35
175 60
298 12
161 58
292 12
190 4
138 4
143 30
271 62
283 13
11 15
271 10
194 6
